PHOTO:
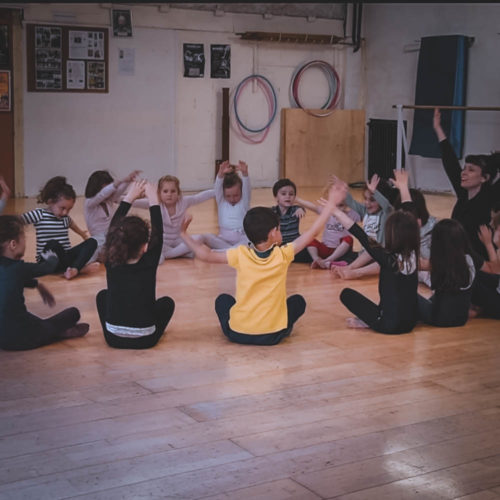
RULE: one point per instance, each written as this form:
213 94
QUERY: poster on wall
4 90
4 47
126 61
122 23
96 74
194 60
48 58
75 75
86 45
220 61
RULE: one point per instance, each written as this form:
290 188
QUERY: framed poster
5 99
194 60
122 22
220 61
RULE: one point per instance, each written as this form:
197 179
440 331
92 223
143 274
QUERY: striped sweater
48 227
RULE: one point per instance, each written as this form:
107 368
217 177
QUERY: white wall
159 121
391 72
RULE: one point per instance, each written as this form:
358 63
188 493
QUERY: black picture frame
122 23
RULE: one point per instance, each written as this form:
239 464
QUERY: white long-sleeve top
231 216
172 223
98 210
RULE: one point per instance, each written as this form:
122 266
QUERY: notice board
67 58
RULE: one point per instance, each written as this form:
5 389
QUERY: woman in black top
471 185
131 316
19 329
397 311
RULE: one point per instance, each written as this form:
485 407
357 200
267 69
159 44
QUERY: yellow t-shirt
260 290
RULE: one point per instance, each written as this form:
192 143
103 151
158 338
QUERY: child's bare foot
79 330
70 273
474 311
324 264
334 272
346 273
91 268
316 264
356 323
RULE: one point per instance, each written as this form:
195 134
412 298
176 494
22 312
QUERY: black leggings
450 309
75 257
40 332
163 310
485 294
372 314
296 305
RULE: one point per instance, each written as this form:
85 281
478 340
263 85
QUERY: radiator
382 139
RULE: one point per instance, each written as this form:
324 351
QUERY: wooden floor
329 413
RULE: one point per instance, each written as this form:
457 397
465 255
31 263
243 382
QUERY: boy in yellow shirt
261 313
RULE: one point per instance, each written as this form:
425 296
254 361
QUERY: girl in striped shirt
52 224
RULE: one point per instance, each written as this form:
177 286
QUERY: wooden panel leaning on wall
314 147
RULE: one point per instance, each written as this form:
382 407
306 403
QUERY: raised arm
400 182
336 195
309 205
156 239
136 191
224 168
246 189
105 193
372 186
449 158
200 250
436 124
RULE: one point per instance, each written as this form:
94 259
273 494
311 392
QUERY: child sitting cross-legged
289 214
131 316
336 245
374 211
398 281
232 194
261 314
19 329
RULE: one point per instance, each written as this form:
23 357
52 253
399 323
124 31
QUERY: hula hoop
268 89
333 86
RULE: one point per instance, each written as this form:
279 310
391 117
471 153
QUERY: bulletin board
67 58
312 148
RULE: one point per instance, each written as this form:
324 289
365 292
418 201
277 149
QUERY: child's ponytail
55 189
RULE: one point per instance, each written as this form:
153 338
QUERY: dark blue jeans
296 305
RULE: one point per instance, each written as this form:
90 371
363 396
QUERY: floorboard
329 413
